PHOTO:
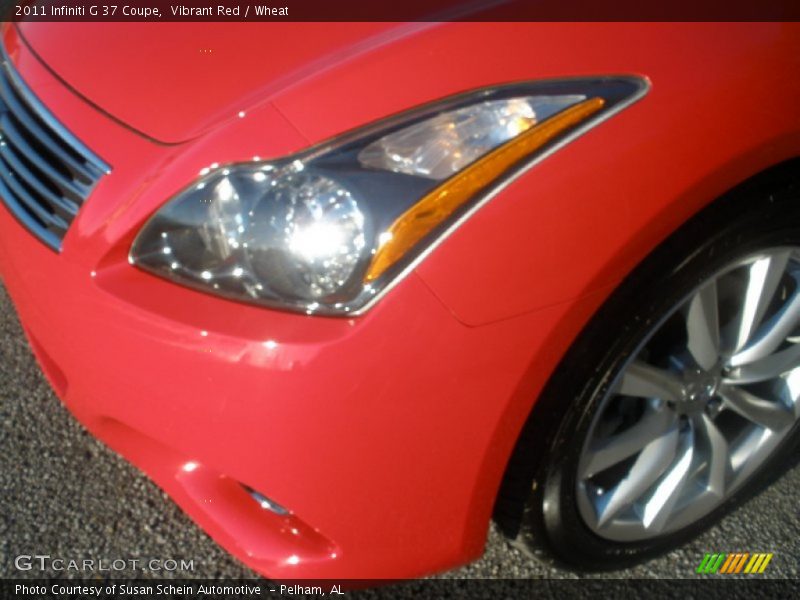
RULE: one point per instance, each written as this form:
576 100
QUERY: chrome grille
45 172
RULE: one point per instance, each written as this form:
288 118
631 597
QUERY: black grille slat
42 232
46 174
38 131
69 187
50 220
32 181
19 136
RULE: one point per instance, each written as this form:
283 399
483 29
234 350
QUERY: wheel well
520 471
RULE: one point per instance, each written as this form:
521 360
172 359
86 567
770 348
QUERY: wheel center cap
701 387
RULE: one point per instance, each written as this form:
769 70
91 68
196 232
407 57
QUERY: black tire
537 507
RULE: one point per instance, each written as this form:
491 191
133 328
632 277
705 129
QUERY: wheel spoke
648 467
768 414
792 392
702 326
645 381
661 503
763 279
719 462
771 335
616 448
767 368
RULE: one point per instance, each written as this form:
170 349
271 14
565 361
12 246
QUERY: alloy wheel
700 405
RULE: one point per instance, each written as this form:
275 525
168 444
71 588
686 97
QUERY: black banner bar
397 10
707 587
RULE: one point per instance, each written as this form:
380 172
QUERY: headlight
327 230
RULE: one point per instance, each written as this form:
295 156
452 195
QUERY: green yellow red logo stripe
735 562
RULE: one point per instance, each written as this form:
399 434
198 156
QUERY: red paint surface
385 435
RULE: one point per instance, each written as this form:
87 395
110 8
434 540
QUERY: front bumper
385 436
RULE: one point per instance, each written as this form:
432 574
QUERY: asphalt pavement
64 494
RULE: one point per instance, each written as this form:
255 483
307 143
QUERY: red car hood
174 81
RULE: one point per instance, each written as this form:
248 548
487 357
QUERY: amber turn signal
434 208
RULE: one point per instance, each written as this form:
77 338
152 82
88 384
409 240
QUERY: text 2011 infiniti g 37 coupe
347 291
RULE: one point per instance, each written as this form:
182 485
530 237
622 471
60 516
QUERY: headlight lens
259 232
443 145
327 230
